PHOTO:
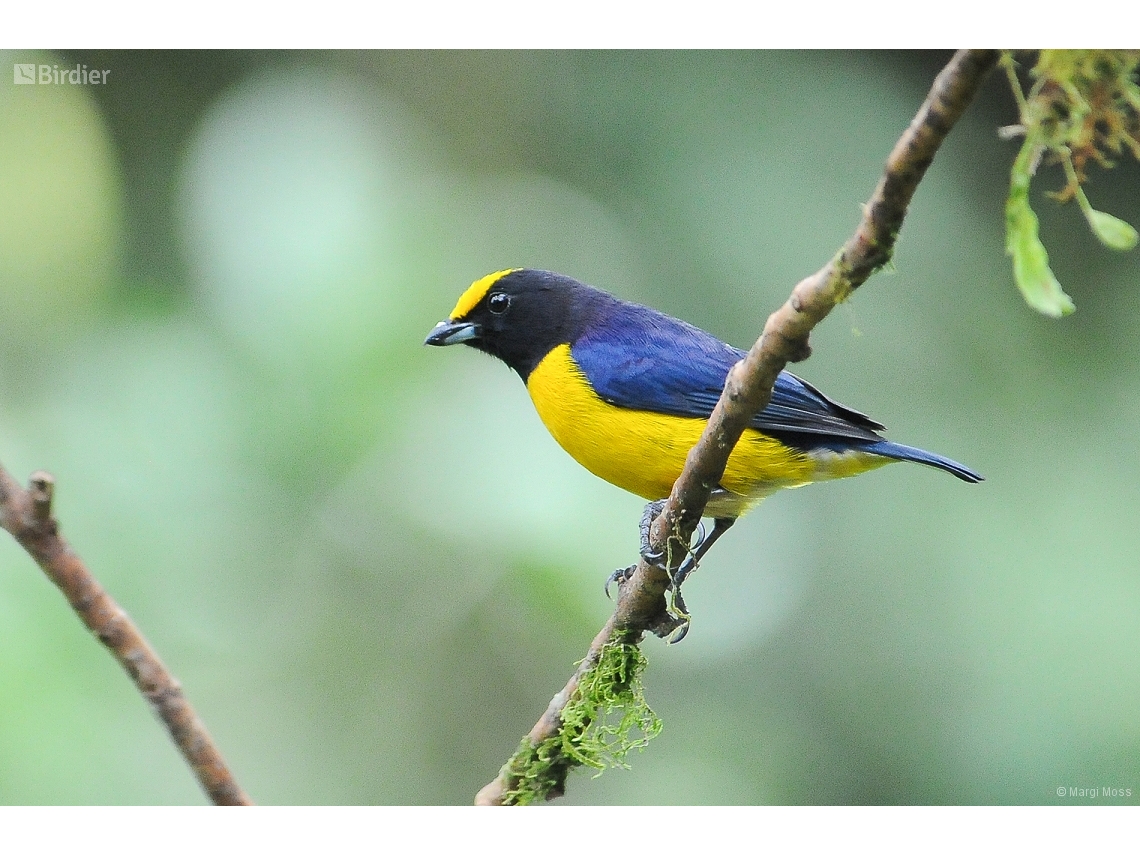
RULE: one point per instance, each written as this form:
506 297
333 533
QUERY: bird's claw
678 634
621 576
679 614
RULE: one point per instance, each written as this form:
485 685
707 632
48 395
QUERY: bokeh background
369 564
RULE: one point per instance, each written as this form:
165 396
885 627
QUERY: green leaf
1031 270
1112 231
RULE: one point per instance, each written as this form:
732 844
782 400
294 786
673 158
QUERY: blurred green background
367 561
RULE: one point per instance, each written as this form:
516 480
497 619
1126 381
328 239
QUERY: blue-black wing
641 359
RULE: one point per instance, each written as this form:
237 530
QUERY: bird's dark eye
498 303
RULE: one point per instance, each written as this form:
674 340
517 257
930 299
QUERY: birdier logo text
53 75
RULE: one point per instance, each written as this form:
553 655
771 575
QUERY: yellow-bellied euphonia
627 390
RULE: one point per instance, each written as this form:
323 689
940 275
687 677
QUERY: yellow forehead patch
476 292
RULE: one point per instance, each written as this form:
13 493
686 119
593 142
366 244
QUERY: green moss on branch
604 719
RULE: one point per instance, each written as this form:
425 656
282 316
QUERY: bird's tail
917 455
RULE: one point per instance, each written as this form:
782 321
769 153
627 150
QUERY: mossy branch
604 719
642 605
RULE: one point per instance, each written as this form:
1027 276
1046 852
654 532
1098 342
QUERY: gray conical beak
452 332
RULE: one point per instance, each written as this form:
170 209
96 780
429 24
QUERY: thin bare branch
642 606
27 515
785 337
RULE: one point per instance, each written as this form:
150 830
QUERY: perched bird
627 390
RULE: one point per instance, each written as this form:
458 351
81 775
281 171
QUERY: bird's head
517 315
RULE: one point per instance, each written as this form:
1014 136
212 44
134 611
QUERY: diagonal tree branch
642 606
785 337
27 515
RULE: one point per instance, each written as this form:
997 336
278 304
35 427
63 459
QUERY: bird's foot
661 559
703 544
652 557
675 624
677 619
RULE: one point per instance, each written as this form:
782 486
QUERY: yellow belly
644 452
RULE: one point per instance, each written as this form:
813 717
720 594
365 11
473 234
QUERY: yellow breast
644 452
